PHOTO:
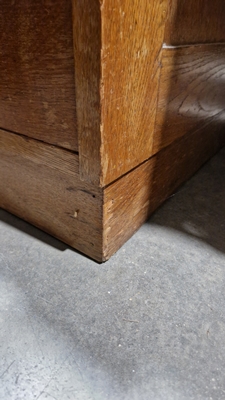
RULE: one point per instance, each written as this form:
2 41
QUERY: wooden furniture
106 107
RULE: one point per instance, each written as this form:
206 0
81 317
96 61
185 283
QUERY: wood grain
87 53
34 187
195 21
147 117
191 91
117 59
130 200
71 210
132 36
39 153
37 90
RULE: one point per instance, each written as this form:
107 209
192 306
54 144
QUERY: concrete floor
148 324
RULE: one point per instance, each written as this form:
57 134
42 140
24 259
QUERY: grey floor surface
148 324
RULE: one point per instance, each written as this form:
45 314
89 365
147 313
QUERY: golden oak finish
195 21
117 96
191 91
48 195
132 36
145 82
129 201
40 153
87 53
37 94
58 202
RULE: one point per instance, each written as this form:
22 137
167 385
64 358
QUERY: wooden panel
132 36
130 200
37 90
49 195
58 202
191 91
117 52
40 153
195 21
87 53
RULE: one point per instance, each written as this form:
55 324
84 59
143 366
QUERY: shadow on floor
31 230
198 207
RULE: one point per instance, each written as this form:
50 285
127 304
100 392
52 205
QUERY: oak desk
106 107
